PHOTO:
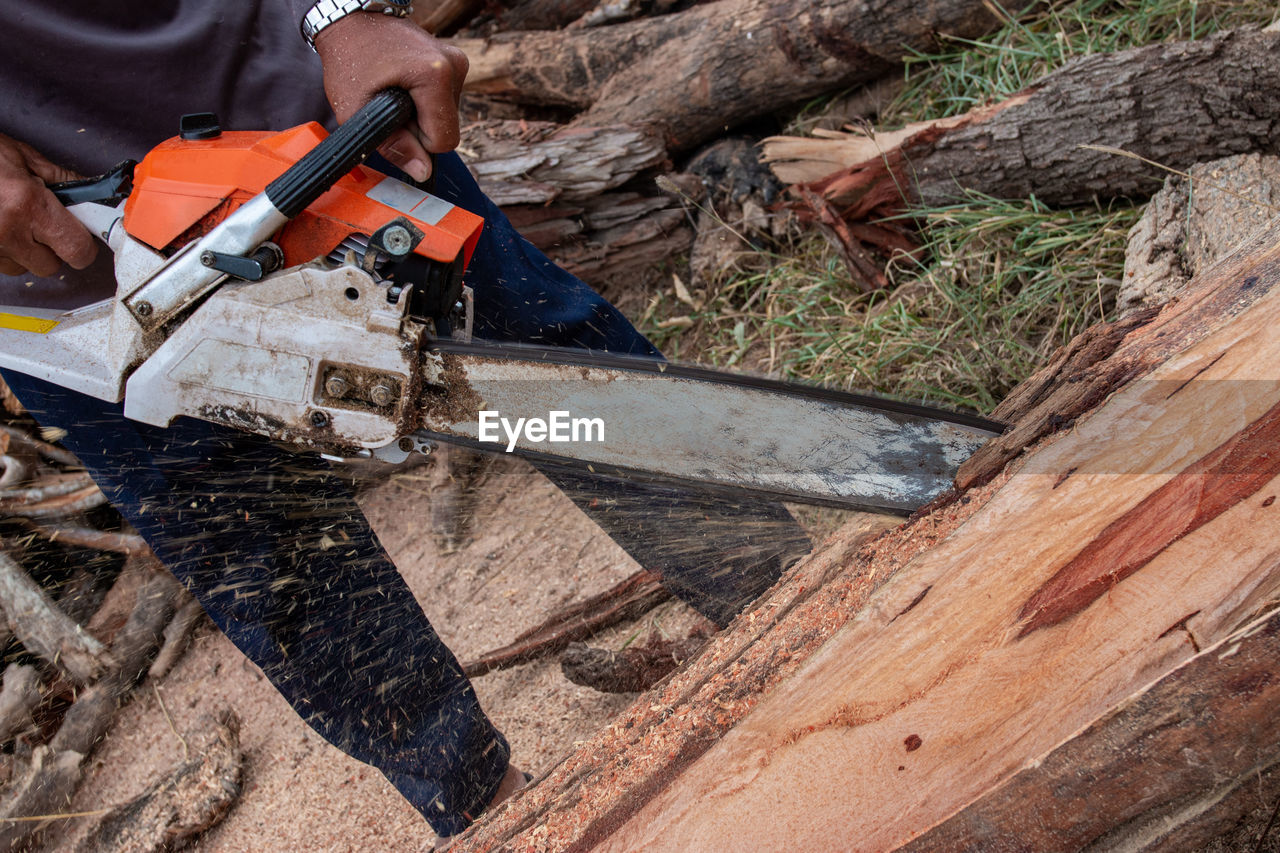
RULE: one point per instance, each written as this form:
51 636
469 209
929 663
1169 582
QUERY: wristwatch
326 12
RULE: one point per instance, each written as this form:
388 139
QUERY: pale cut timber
693 73
990 650
1119 783
879 691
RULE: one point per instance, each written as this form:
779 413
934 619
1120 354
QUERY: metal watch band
326 12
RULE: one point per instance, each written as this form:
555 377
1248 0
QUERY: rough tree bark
928 668
519 162
563 188
1176 104
693 73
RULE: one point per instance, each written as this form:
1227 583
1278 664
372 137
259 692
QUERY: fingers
404 150
364 53
37 233
50 173
55 227
436 89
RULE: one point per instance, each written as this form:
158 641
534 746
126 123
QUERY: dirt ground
532 552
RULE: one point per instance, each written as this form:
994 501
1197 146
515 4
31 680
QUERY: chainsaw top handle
340 152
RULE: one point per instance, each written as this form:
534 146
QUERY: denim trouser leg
282 559
277 552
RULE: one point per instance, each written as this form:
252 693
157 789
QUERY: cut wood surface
1177 104
694 73
994 647
981 636
1125 783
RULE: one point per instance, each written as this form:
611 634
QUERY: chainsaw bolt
406 444
336 386
397 240
319 419
381 395
207 258
143 309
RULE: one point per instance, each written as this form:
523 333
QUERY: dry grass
1001 284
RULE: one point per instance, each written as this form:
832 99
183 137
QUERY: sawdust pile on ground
532 552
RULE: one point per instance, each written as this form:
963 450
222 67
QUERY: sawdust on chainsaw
531 552
455 401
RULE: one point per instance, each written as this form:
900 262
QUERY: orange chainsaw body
185 187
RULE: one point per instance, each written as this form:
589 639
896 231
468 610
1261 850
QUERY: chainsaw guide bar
692 426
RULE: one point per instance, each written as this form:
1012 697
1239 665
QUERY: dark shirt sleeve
298 8
89 84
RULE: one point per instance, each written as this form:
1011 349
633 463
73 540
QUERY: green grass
1002 285
971 73
998 286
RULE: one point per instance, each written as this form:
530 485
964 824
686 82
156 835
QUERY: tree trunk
881 689
1176 104
694 73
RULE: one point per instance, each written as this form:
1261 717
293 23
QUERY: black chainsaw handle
109 189
340 152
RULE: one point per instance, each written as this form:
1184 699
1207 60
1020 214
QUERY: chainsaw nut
336 386
381 395
397 240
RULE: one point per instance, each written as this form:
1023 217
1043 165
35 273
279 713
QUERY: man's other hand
364 53
36 232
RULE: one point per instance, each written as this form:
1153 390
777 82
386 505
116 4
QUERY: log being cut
1099 599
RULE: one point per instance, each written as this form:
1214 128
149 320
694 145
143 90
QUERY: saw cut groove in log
1176 104
1240 280
693 73
923 695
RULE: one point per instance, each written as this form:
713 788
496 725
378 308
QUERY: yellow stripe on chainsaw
37 325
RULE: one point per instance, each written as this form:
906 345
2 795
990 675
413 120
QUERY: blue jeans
250 530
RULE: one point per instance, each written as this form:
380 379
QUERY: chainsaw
273 283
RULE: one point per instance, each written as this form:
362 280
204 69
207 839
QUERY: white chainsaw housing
312 356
